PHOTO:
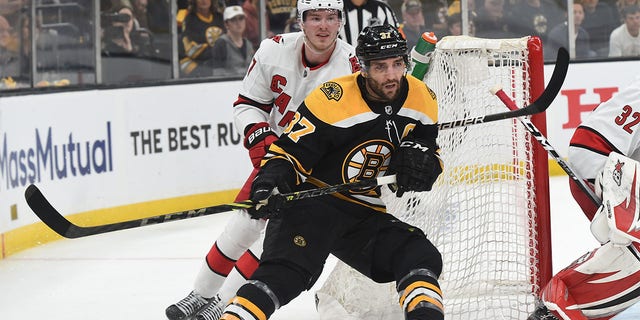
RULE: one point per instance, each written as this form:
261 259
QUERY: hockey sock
420 295
218 262
243 270
254 301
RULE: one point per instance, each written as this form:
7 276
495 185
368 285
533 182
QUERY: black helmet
380 42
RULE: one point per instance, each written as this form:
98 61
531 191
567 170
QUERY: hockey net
488 212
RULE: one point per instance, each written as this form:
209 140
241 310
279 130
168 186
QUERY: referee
364 13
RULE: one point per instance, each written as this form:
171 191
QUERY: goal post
488 212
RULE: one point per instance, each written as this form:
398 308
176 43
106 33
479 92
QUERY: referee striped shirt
372 12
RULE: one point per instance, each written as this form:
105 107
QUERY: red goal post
489 210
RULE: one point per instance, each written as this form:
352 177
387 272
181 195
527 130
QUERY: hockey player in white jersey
605 150
283 71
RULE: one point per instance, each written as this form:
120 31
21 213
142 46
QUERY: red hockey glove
257 139
416 165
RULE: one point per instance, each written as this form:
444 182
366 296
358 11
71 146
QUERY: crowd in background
216 38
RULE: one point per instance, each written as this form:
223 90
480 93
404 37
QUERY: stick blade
46 212
555 83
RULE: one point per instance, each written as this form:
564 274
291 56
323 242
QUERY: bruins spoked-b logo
332 90
212 34
299 241
367 161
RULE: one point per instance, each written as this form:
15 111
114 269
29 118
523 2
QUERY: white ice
135 274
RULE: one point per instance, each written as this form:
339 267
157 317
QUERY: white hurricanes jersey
279 79
613 126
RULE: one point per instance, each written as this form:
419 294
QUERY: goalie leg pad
600 284
620 187
600 226
420 295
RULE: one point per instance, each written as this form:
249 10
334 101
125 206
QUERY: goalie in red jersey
605 150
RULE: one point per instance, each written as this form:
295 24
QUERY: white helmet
304 5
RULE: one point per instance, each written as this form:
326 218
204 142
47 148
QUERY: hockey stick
540 105
547 146
48 214
497 91
58 223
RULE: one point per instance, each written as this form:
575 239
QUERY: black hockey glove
275 177
416 164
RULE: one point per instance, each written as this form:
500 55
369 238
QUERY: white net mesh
481 211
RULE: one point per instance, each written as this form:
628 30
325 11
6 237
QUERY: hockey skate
212 311
186 307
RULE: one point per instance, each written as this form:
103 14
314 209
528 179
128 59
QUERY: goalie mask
380 42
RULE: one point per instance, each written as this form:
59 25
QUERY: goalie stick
61 225
58 223
498 92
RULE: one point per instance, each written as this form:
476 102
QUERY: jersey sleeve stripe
587 138
242 100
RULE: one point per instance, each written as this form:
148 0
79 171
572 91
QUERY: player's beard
379 92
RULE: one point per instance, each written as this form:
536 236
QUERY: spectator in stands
435 16
625 40
363 13
11 10
454 16
534 18
120 32
232 52
454 25
140 13
141 34
252 32
25 46
293 24
9 61
620 4
455 7
201 28
183 10
118 24
559 36
413 22
490 22
278 12
599 21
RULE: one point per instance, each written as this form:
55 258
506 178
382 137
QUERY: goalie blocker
605 281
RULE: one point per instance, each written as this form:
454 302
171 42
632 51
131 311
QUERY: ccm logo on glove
413 144
415 165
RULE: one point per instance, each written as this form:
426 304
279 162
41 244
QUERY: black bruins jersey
337 136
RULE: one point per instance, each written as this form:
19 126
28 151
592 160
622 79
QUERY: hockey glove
275 177
416 164
257 139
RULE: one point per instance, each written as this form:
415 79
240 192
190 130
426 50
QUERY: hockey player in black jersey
361 126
